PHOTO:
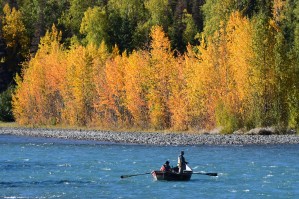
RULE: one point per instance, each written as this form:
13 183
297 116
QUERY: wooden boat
173 175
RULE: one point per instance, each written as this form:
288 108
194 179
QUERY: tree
6 106
240 46
159 12
264 60
38 99
190 30
99 117
78 88
14 32
286 18
136 87
95 24
71 18
126 24
215 13
161 63
39 16
114 96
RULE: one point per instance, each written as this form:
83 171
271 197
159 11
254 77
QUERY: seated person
165 167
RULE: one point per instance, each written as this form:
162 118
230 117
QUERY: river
53 168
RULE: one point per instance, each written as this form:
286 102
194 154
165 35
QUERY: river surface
53 168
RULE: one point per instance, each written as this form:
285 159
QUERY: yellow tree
241 55
37 99
203 83
215 83
78 87
113 91
14 31
14 34
196 76
99 96
135 70
160 75
179 105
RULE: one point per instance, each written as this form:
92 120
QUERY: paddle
208 174
127 176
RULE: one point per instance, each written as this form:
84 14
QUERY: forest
181 65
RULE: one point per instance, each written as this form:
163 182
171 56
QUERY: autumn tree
100 113
179 101
161 72
14 33
78 86
136 85
241 55
114 98
37 99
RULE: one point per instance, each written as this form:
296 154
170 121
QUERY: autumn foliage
221 82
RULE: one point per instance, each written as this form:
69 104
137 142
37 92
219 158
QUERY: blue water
52 168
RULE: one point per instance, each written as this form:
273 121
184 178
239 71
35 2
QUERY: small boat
173 175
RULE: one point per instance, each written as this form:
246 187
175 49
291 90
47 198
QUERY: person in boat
182 162
165 167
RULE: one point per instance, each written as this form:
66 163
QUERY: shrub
5 105
226 119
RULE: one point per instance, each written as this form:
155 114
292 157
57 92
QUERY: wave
45 183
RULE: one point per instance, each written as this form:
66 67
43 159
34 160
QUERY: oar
208 174
127 176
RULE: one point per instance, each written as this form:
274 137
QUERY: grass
9 124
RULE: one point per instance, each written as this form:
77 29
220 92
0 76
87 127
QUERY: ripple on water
71 170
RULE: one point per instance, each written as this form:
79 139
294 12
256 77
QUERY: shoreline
153 138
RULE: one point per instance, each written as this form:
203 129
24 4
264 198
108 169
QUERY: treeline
112 66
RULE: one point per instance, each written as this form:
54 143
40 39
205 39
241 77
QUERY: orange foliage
240 47
37 99
160 75
136 88
90 86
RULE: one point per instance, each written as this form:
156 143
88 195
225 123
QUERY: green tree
264 60
159 12
39 16
190 30
71 18
94 25
5 105
215 13
293 95
126 24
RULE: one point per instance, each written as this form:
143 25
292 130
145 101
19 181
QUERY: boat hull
172 176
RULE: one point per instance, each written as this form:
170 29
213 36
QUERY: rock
257 137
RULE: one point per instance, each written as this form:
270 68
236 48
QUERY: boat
173 175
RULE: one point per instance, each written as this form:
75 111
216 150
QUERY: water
52 168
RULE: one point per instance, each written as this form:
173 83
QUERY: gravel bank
154 138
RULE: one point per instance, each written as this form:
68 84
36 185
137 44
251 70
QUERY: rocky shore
155 138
